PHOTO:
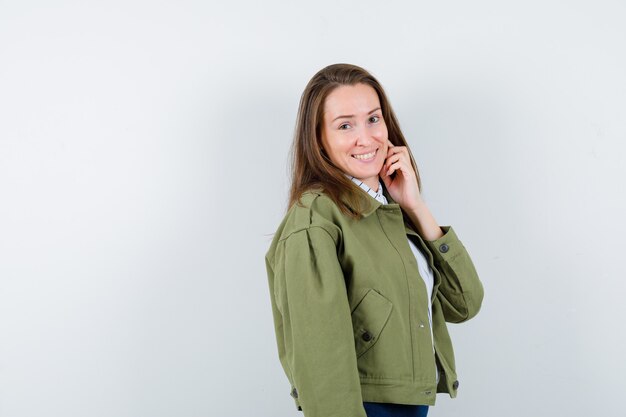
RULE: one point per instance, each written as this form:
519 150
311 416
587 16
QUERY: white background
143 152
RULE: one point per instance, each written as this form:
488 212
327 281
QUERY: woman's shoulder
318 208
314 209
316 200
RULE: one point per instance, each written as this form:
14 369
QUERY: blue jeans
394 410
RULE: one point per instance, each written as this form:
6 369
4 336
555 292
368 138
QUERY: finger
394 167
383 174
401 165
393 158
397 149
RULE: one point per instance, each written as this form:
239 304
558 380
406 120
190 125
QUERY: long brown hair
310 165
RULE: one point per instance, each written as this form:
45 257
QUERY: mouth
365 157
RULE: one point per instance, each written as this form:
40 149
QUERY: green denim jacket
350 308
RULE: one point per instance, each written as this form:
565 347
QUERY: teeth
365 156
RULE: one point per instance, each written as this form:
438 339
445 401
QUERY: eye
341 126
375 119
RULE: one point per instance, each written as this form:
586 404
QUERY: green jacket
350 309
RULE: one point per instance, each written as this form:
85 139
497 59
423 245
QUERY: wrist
424 222
417 207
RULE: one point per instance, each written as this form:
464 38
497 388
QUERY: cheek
381 130
335 146
340 145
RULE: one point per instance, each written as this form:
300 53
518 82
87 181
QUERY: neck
374 186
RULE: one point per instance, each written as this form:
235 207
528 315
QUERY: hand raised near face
402 186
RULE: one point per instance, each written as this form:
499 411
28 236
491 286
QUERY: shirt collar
377 195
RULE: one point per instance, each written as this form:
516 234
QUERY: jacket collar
370 204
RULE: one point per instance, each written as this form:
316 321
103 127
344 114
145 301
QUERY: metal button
443 248
421 325
367 336
455 384
294 393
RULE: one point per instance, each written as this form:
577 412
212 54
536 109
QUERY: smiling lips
365 156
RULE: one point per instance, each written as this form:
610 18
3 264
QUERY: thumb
386 178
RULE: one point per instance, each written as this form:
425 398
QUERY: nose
363 137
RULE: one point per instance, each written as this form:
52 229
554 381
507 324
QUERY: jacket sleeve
460 292
310 293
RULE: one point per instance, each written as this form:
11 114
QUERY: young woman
362 279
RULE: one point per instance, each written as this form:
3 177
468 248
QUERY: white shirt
424 269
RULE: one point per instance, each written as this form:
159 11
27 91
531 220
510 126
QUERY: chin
367 172
361 174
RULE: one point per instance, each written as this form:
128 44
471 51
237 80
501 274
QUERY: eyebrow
347 116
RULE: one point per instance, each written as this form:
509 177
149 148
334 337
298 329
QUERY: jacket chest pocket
369 319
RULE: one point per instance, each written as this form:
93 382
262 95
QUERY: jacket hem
405 393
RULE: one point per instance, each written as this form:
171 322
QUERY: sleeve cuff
447 247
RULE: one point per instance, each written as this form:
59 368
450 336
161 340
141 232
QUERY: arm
311 296
460 292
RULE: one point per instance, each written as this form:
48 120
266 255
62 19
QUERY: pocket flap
369 319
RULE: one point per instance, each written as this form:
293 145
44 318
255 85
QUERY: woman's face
354 133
